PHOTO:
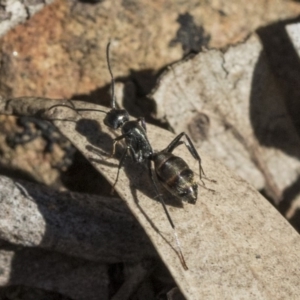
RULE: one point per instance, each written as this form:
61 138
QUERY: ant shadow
101 144
138 174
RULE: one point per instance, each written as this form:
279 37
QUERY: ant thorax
137 141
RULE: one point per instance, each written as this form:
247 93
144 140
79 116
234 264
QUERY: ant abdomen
176 176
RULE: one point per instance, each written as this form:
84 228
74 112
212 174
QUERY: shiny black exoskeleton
170 170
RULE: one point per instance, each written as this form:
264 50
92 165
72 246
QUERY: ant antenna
113 99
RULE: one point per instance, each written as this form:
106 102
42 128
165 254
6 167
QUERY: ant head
116 118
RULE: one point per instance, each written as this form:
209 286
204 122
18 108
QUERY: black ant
169 170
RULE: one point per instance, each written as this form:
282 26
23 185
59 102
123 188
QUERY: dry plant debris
62 241
235 243
59 52
232 106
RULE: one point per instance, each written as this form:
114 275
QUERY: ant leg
115 142
155 183
189 144
208 189
143 122
134 155
112 154
119 168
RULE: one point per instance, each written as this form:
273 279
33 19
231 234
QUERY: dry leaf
33 267
60 51
231 106
235 243
32 215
